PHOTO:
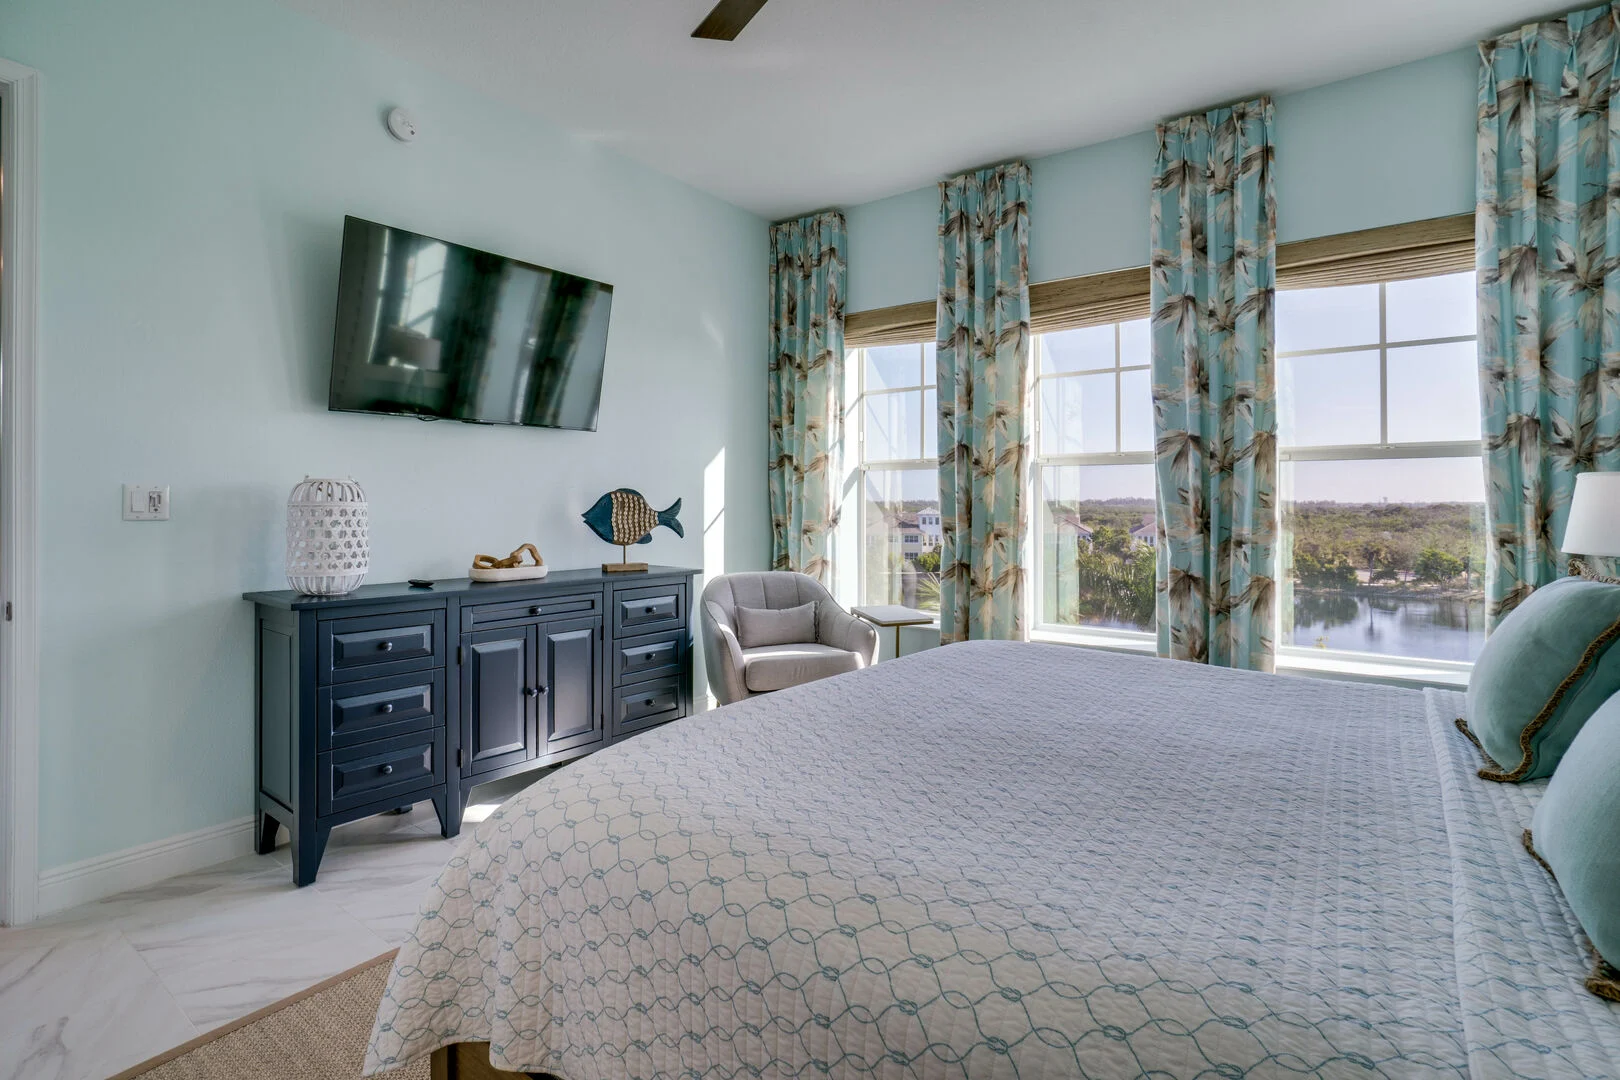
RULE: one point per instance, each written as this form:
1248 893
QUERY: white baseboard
63 887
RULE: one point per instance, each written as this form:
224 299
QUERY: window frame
855 418
1383 450
1041 461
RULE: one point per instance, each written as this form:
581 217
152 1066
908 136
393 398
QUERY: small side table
894 615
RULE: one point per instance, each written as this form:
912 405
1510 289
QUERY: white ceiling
835 102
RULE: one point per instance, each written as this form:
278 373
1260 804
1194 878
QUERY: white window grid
1044 460
1384 449
855 422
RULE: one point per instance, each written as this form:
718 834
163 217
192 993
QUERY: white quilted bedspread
991 860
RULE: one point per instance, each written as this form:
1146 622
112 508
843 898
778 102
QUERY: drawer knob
647 611
388 770
534 611
388 707
387 646
648 702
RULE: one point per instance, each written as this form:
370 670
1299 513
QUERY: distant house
928 526
918 533
911 538
1069 528
1147 532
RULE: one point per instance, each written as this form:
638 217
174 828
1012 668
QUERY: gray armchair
843 642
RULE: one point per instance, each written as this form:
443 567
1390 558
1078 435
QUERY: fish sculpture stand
623 517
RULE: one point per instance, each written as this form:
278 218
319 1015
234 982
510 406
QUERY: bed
1011 860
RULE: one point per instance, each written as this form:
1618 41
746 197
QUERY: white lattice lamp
328 538
1594 518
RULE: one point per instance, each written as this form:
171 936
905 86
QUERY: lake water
1440 629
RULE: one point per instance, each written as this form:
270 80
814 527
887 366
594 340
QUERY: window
896 419
1383 541
1094 468
1381 483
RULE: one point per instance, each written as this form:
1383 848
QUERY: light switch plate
146 502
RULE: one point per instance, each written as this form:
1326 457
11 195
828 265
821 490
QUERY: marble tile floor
89 992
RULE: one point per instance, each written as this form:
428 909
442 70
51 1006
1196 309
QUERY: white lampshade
1594 516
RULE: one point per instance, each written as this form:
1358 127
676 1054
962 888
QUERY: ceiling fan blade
727 19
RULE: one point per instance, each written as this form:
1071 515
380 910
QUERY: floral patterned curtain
983 356
806 390
1547 245
1215 388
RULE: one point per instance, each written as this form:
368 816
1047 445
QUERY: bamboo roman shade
1117 296
1415 249
903 324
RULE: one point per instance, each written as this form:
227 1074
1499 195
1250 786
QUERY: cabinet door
498 699
571 712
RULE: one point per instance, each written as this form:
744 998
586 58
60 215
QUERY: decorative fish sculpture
623 517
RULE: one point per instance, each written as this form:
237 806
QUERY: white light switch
146 502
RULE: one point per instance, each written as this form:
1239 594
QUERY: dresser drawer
385 769
639 658
359 712
642 611
648 704
541 607
378 645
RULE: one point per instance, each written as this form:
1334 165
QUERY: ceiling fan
727 19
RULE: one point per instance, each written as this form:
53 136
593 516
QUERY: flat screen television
440 331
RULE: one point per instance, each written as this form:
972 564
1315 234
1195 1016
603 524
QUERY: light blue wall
1392 146
198 158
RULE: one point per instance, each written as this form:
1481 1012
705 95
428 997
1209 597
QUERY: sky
1334 389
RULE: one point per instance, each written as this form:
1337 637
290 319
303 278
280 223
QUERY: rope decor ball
328 545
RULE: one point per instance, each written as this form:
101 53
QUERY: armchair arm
722 656
841 630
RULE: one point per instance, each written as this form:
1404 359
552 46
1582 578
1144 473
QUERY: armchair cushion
777 667
757 627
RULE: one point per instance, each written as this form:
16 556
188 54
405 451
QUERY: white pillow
779 626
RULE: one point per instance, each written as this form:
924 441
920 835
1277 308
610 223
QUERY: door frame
19 475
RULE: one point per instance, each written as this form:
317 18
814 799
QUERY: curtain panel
982 330
806 381
1547 244
1213 277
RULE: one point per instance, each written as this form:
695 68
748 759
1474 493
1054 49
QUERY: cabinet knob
648 702
388 770
647 611
387 646
531 691
534 611
387 707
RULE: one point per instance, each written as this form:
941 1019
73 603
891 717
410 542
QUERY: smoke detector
400 124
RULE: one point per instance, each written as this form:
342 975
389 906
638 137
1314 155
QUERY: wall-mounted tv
436 330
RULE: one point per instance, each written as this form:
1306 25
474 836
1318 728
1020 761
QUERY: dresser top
467 591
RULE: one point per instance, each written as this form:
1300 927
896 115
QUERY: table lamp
1594 519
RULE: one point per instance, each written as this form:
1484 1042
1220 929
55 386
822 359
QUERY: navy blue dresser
394 695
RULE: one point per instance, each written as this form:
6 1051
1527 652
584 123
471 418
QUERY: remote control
419 583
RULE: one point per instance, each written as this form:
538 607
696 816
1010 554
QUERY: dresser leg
449 811
264 839
308 845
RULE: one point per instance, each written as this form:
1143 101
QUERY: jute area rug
319 1034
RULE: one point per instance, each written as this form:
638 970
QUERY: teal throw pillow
1576 835
1546 668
